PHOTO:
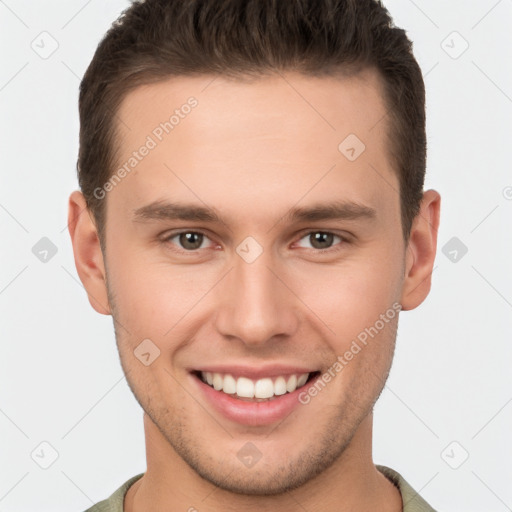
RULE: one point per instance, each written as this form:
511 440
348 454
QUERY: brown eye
186 241
190 240
321 240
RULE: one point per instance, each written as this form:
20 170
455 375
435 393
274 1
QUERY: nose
255 303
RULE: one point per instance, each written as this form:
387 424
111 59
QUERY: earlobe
87 252
421 251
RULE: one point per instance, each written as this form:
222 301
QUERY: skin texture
252 150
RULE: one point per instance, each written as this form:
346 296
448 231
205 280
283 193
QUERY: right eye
189 241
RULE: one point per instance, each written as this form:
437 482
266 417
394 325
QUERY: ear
421 251
87 251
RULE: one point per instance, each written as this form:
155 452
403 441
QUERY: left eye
321 239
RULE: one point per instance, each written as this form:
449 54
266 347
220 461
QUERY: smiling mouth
255 390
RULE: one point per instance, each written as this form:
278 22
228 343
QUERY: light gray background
60 378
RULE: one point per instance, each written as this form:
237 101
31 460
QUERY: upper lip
253 372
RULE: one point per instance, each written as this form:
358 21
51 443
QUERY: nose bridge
255 306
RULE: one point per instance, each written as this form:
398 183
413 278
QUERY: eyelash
344 240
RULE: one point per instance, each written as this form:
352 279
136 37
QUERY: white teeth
259 389
229 386
291 384
245 387
280 386
218 381
302 380
264 388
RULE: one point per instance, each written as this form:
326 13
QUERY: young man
252 215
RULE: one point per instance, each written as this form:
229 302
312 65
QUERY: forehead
267 106
210 135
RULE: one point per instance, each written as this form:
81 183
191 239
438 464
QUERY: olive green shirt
412 501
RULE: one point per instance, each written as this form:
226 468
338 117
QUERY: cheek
352 295
152 296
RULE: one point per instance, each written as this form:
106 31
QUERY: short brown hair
154 40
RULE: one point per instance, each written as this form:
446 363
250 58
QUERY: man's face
259 292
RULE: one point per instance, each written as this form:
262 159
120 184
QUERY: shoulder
115 502
412 501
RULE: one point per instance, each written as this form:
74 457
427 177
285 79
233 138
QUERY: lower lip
251 413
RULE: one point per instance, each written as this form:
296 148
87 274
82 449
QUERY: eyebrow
337 210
